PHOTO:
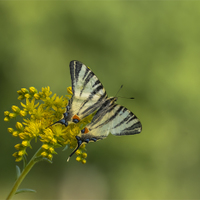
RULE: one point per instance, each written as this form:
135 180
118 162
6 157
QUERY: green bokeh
150 47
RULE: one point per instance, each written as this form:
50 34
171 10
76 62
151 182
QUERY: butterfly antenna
119 90
127 97
78 145
123 97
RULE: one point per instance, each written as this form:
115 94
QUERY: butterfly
89 96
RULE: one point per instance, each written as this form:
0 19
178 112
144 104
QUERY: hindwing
115 119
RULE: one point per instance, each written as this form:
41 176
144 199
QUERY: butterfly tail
79 142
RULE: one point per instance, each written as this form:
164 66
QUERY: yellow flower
78 158
15 109
22 113
25 143
84 155
12 115
44 154
45 93
69 90
15 133
19 126
6 119
10 130
6 113
45 146
32 90
30 105
43 110
83 161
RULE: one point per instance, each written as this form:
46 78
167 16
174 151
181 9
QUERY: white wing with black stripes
115 119
88 92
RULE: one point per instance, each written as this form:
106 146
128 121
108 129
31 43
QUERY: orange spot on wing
76 117
86 130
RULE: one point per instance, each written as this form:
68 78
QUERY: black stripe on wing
86 79
75 68
94 106
131 130
96 83
127 119
106 108
130 122
95 91
120 120
90 85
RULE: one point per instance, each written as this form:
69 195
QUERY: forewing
88 92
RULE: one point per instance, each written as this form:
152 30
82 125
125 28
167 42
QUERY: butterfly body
89 96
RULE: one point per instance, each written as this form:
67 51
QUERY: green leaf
18 172
25 190
41 158
46 159
57 145
86 120
66 147
24 161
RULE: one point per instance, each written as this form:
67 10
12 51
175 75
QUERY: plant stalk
25 171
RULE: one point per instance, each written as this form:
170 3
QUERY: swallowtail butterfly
89 96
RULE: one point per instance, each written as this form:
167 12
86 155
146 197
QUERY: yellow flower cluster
39 121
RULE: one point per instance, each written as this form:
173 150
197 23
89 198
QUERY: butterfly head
112 100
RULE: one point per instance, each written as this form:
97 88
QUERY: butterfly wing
112 118
88 92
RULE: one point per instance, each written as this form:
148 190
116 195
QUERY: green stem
24 173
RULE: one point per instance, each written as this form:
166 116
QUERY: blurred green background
150 47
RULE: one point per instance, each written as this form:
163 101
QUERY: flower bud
45 146
22 113
24 90
78 158
19 92
84 155
20 153
69 90
25 143
83 161
12 115
6 119
19 126
15 154
10 130
21 97
15 133
44 154
32 90
50 156
28 96
6 113
15 109
36 96
18 147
